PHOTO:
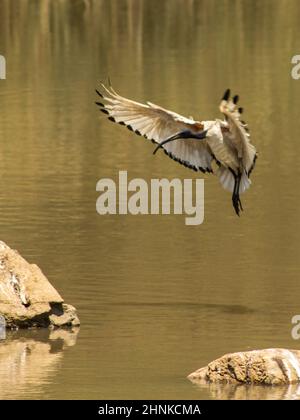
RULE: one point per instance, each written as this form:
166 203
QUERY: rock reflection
251 392
29 358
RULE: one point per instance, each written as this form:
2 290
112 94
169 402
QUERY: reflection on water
156 299
29 359
252 392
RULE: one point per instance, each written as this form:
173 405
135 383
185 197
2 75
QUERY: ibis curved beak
182 136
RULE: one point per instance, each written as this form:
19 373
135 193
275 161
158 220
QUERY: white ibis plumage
194 144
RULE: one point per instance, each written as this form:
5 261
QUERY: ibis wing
237 134
157 124
194 154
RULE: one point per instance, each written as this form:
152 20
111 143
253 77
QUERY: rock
27 299
64 315
266 367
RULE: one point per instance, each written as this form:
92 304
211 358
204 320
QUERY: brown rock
267 367
27 299
64 315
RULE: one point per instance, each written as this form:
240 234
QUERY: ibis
194 144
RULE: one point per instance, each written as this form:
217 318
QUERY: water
157 299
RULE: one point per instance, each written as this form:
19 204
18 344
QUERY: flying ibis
194 144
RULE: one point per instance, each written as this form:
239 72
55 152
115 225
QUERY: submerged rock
266 367
27 299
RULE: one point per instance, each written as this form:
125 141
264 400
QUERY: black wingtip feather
99 93
241 110
226 95
235 99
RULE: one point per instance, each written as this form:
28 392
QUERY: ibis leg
236 202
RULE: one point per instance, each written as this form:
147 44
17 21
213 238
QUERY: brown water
157 299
